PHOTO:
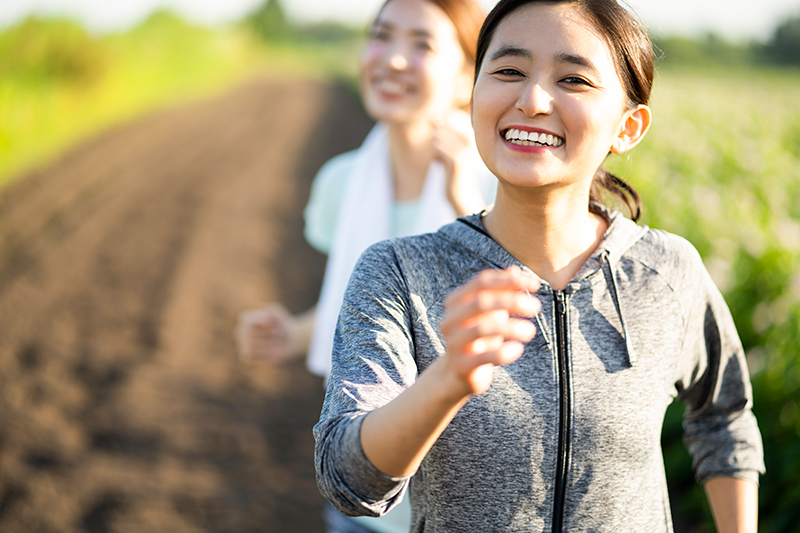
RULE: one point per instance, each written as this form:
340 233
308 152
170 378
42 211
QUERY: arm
271 332
370 411
734 504
721 432
479 332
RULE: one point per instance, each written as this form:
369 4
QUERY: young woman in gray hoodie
511 371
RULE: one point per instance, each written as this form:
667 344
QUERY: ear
632 130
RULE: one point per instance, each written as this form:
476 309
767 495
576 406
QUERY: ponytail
608 183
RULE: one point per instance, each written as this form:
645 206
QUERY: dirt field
123 266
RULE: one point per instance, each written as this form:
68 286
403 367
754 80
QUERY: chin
399 111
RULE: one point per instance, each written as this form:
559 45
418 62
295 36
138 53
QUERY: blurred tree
50 50
269 21
329 32
709 50
784 46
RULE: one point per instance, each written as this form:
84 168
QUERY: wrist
299 335
451 390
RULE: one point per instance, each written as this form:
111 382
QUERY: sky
733 19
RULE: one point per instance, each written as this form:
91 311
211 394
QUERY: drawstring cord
612 287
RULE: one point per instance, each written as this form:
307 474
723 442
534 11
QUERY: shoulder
327 192
412 254
673 257
665 251
426 252
429 265
336 171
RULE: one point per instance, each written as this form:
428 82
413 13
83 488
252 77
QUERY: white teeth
525 138
390 87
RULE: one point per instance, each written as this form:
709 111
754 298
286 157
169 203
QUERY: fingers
482 304
510 289
491 330
264 334
448 143
509 278
494 339
506 354
481 318
446 134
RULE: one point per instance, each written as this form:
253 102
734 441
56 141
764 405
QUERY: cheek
486 103
484 123
431 72
372 54
587 122
440 70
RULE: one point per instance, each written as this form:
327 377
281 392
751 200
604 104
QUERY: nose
535 100
397 60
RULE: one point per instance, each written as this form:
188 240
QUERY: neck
410 153
551 232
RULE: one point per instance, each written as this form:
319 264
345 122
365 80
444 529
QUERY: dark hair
632 52
466 16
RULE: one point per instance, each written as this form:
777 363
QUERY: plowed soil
123 266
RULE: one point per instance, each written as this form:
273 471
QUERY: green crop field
721 167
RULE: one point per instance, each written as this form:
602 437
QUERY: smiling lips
531 138
390 87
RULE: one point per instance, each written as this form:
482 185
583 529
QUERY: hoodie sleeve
720 430
372 364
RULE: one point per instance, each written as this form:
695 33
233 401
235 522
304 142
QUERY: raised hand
452 147
486 323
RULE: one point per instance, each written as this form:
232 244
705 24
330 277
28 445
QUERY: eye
378 34
508 73
576 81
425 46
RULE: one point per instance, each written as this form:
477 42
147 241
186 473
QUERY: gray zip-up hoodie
567 438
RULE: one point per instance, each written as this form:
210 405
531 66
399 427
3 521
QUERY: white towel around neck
364 219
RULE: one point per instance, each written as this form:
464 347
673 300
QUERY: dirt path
122 268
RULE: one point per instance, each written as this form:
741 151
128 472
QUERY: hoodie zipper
565 410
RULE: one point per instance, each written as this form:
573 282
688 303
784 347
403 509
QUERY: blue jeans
336 522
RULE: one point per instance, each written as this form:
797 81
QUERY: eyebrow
574 59
563 57
391 27
510 51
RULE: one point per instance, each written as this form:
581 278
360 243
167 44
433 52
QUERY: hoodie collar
622 233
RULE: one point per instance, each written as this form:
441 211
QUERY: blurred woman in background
417 170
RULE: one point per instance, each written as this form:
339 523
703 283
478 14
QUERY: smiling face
413 67
548 104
